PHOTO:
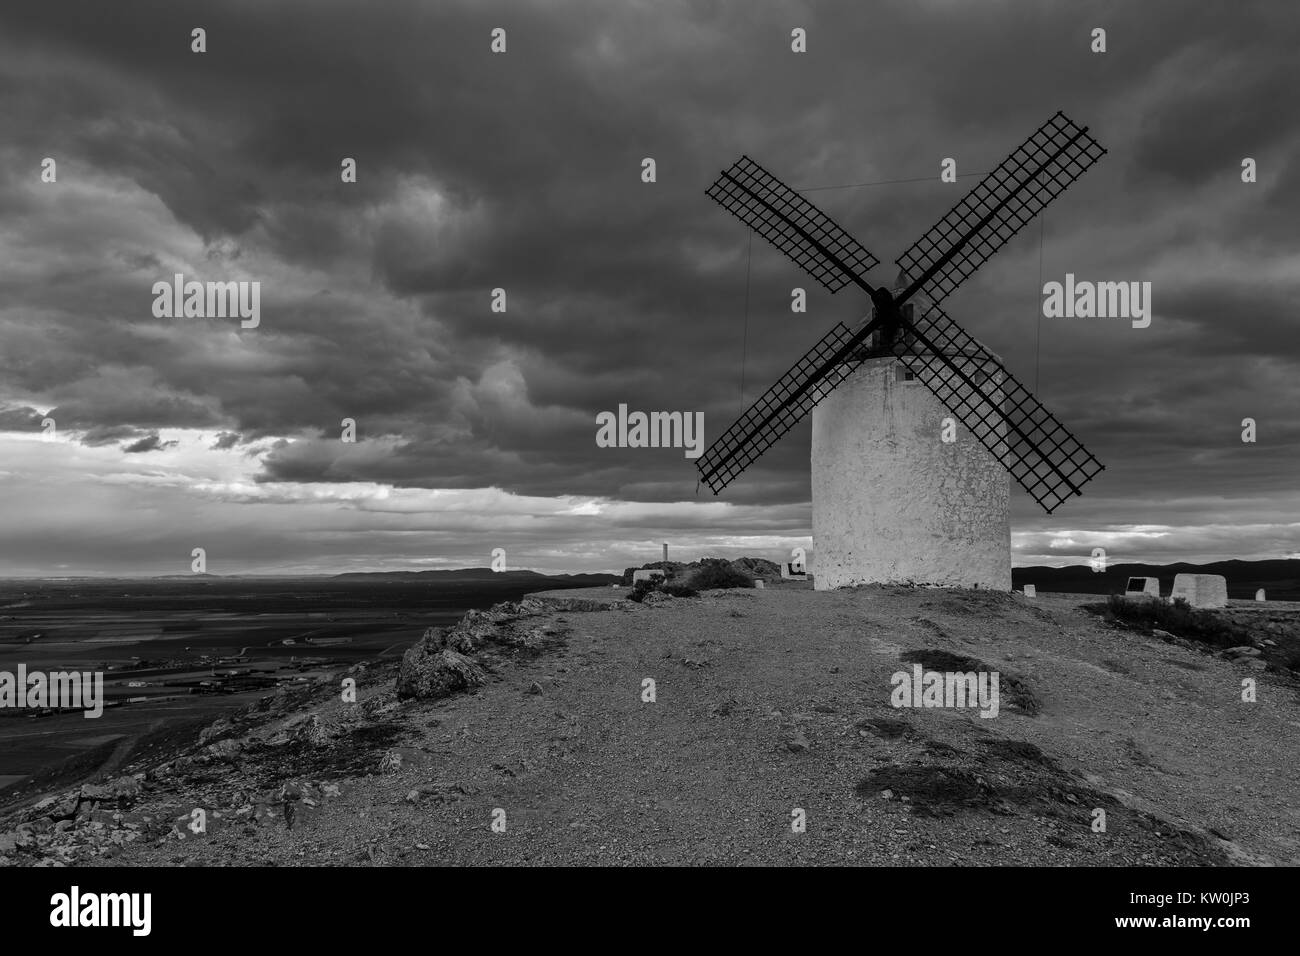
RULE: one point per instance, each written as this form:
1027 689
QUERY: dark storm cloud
22 419
109 435
522 171
148 443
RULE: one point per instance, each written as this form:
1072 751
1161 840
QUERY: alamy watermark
76 909
946 689
71 690
1098 300
651 430
212 300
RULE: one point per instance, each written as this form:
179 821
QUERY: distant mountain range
1280 578
481 574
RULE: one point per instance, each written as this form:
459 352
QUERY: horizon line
106 576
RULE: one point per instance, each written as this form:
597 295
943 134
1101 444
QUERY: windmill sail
1038 171
1048 462
781 407
805 234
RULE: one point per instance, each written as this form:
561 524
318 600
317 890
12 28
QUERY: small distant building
1143 588
1259 595
1031 591
1201 590
789 573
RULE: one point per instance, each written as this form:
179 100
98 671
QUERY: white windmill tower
892 499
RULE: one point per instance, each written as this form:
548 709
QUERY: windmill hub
887 313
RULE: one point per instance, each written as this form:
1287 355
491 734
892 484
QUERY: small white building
647 575
1142 588
1201 590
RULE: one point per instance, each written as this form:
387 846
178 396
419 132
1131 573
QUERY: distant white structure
1201 590
1259 595
1142 588
647 575
1031 591
901 491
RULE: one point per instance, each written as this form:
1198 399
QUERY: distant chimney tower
665 550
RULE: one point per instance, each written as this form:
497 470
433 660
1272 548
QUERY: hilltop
768 706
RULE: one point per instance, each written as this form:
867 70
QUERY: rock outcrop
441 664
677 570
429 673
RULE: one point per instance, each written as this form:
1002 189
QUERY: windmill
892 500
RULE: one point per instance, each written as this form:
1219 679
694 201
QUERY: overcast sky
522 170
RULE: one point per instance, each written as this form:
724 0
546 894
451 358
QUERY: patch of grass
933 659
1012 778
1178 618
1288 657
932 791
1138 755
937 748
354 754
974 601
1011 688
1020 750
885 727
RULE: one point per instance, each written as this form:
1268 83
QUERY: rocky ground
532 734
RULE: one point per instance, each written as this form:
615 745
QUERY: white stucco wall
1149 587
892 502
1201 590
